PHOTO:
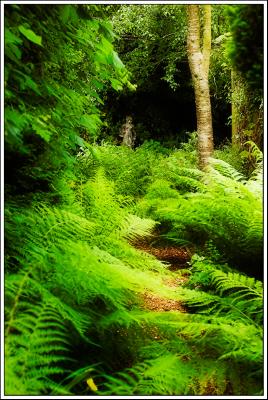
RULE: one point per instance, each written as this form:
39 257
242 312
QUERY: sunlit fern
37 340
170 375
225 212
227 170
231 294
64 282
77 270
196 344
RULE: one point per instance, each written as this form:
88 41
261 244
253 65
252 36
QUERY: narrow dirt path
177 258
155 303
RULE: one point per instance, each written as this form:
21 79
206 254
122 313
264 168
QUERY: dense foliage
152 43
55 67
245 47
77 212
75 285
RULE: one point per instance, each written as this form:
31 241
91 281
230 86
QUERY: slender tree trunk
199 66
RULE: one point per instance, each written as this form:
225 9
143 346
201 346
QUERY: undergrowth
75 319
220 206
76 281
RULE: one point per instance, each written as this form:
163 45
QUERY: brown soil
176 257
155 303
175 282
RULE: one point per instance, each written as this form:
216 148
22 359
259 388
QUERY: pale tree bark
199 65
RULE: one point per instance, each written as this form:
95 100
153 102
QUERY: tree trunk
199 66
247 119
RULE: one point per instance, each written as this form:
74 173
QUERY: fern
147 378
255 182
136 228
227 170
36 346
255 151
226 213
66 282
214 334
236 296
75 282
195 345
170 375
182 178
132 257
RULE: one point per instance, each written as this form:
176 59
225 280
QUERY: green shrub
74 285
220 209
232 155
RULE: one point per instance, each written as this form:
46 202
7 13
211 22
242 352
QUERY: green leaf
32 85
107 46
79 141
15 117
11 38
65 13
13 52
14 124
107 30
97 84
27 82
116 61
96 96
42 132
68 13
117 85
91 122
244 154
30 35
42 128
100 58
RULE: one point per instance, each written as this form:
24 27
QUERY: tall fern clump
214 348
68 272
221 206
132 170
217 344
58 279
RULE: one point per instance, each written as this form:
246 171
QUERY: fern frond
179 370
231 294
150 378
227 170
75 277
255 151
136 228
32 355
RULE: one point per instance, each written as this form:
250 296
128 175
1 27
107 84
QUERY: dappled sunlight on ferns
66 267
226 209
75 281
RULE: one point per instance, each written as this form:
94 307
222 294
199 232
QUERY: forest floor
177 258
